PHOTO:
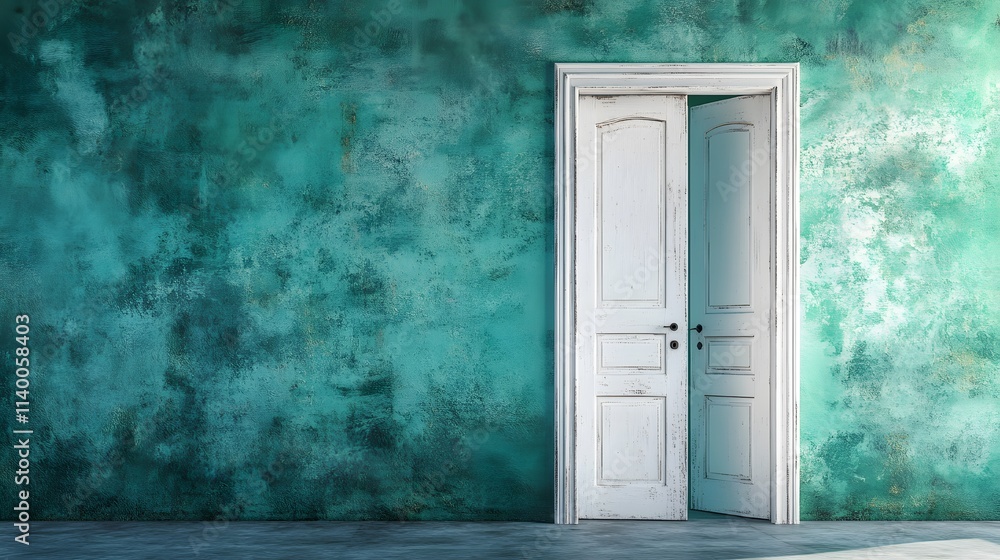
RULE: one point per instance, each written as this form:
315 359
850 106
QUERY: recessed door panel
729 168
631 352
728 439
729 355
631 440
631 194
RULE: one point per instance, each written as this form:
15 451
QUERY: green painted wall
290 259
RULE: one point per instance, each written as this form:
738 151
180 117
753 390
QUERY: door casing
781 83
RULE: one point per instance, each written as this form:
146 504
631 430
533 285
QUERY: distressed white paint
781 83
631 282
630 352
732 170
633 449
630 181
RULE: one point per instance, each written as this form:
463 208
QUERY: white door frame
781 82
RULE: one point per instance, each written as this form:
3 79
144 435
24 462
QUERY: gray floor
705 536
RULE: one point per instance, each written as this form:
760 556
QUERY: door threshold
696 515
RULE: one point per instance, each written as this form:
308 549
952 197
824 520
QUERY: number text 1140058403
22 435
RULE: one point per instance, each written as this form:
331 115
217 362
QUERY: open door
651 417
732 174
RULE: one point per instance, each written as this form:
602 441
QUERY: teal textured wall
290 260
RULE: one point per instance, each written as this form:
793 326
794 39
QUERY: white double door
646 377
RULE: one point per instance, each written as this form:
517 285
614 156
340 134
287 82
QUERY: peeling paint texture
293 260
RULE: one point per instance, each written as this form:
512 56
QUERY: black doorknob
697 328
671 326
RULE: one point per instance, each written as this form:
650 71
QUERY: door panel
730 355
728 217
629 353
731 181
634 426
728 442
631 223
631 279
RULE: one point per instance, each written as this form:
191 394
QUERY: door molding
781 82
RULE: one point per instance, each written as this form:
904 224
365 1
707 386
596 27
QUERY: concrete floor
705 536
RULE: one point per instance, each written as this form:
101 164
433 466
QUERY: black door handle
697 328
